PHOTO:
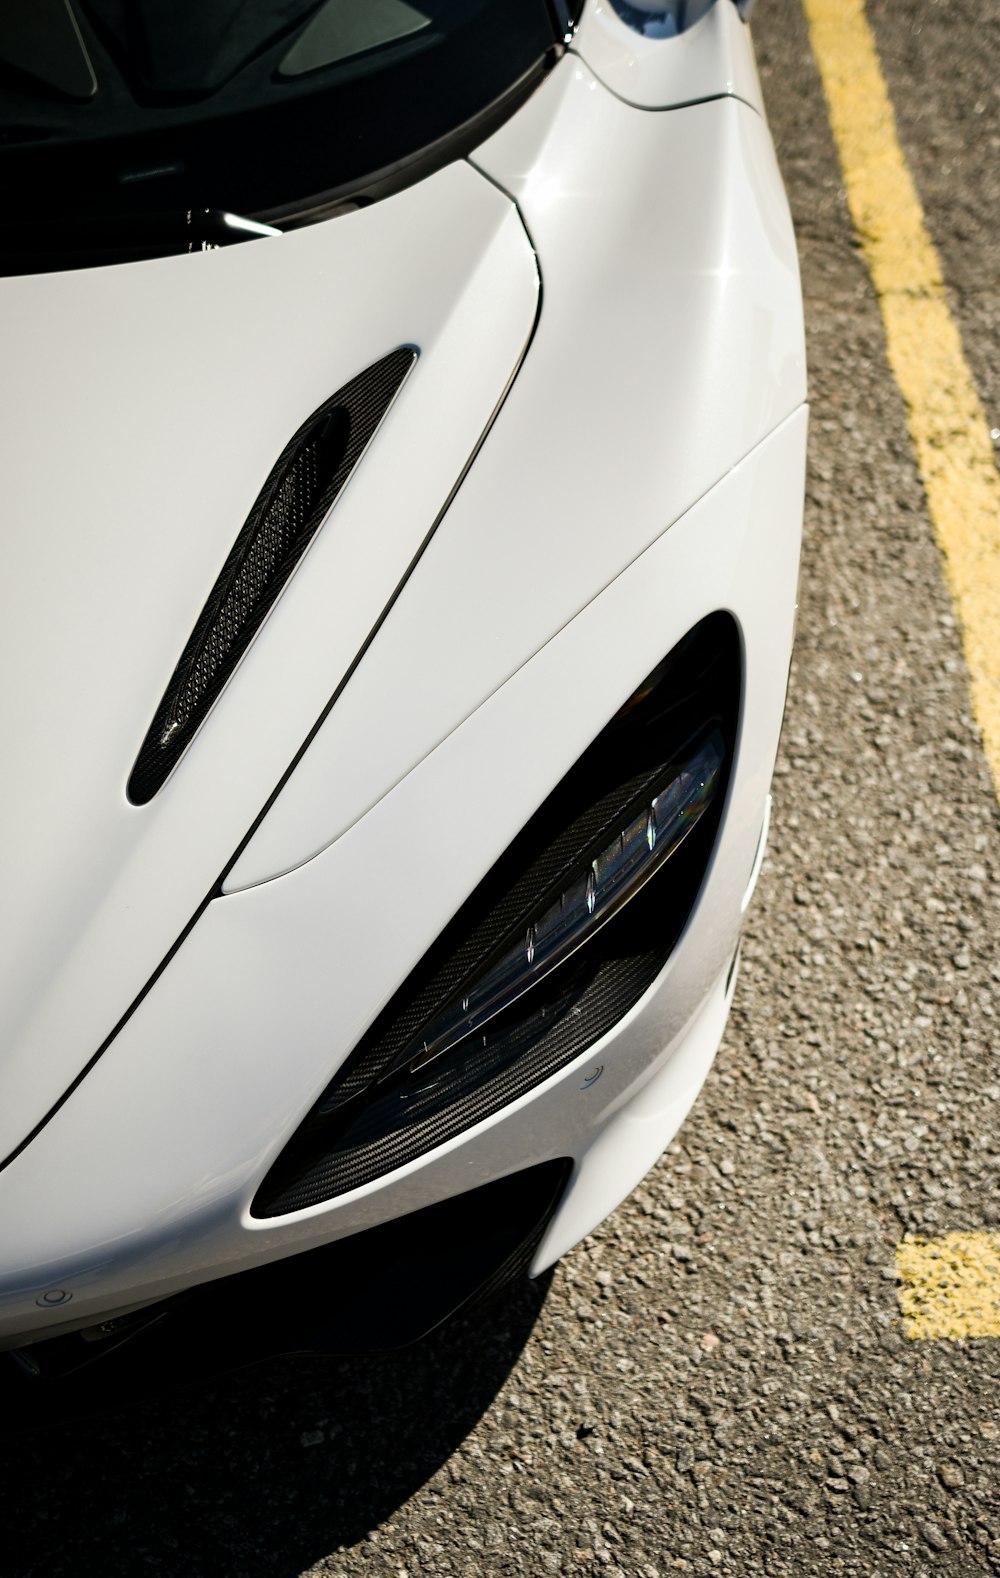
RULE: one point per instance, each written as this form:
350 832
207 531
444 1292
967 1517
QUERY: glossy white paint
634 1137
645 469
669 343
143 407
141 1183
758 859
712 58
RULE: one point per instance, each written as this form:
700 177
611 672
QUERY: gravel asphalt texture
717 1380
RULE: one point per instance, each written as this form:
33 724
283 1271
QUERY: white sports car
403 442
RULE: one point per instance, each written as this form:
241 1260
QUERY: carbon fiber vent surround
302 486
381 1111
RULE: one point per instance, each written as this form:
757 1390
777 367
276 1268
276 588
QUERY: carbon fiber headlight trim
382 1110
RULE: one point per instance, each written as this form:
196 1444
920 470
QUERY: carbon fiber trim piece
376 1116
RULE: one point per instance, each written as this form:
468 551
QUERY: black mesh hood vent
293 502
378 1114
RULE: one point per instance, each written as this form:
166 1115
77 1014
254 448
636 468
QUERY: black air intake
377 1290
502 1000
302 486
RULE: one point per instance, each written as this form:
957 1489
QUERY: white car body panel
114 548
679 243
601 443
711 58
623 1149
141 1183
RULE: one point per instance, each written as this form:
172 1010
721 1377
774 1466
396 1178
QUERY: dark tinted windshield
128 126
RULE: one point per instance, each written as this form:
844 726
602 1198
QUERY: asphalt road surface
718 1381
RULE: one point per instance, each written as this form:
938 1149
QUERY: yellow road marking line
950 1285
947 423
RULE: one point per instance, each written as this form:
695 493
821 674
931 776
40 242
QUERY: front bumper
140 1185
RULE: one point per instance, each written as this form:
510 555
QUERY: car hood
143 407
